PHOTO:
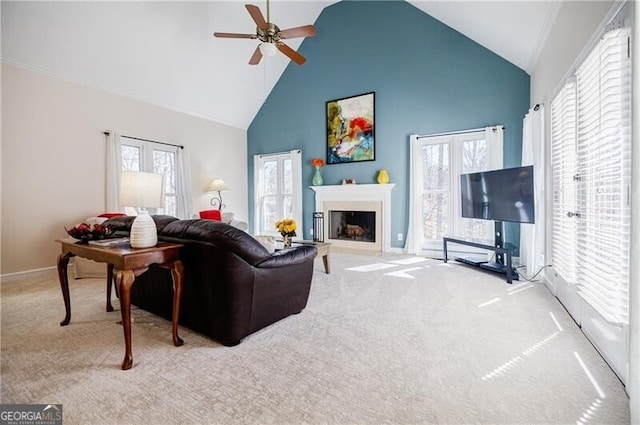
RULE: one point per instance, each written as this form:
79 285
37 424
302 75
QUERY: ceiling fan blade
233 35
255 58
303 31
292 54
256 14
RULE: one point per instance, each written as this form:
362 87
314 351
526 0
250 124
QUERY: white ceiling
164 53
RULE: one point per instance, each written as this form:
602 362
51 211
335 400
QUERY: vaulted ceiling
164 53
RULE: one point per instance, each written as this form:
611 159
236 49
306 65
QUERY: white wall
53 159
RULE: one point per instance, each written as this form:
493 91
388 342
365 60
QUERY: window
278 191
563 171
591 174
437 162
156 158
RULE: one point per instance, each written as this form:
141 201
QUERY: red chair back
211 215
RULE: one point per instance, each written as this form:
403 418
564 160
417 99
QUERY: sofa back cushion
222 235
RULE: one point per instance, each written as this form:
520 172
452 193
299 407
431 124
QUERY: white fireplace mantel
360 192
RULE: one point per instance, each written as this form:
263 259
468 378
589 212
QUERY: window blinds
604 176
563 170
591 172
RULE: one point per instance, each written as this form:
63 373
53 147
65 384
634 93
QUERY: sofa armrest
288 257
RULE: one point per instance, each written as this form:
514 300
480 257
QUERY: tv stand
497 267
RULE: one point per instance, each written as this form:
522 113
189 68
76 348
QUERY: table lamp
144 190
217 185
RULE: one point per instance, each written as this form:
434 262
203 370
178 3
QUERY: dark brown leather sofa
232 285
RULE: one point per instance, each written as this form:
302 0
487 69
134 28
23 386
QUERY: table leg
124 280
508 255
177 273
109 286
63 262
325 260
444 249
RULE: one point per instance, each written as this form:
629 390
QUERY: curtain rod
106 133
473 130
264 155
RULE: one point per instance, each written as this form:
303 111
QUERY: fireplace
357 216
352 225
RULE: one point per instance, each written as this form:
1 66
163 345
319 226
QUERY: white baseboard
8 277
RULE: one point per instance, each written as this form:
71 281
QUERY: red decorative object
111 215
211 215
88 232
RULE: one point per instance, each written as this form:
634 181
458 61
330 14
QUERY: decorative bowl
88 232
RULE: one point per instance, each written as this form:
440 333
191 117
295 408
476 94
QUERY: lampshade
268 49
146 190
138 189
217 185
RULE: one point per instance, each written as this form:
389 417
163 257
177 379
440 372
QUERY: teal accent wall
427 78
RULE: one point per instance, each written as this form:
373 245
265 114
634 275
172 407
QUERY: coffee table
324 250
127 263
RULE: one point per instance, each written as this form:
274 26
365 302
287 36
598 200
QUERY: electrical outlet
311 231
400 235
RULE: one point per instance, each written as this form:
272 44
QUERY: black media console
498 266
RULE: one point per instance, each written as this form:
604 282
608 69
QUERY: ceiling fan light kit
268 49
270 36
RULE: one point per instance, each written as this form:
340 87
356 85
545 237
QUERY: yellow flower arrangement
287 227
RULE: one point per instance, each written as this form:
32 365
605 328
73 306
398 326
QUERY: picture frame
350 125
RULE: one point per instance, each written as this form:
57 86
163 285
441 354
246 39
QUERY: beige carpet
383 340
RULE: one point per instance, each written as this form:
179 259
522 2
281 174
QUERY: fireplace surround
365 200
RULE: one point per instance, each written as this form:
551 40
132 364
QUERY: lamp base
144 233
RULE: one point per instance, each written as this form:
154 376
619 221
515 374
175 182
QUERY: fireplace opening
353 225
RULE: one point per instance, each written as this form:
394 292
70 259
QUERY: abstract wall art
350 129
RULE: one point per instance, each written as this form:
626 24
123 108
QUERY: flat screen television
500 195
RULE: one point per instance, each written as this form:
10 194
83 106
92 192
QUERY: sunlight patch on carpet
589 412
590 376
495 300
520 290
555 321
502 369
403 273
411 260
372 267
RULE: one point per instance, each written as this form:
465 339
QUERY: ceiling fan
271 37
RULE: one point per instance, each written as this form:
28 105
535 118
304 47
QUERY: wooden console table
127 263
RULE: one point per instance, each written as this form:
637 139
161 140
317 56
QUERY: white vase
144 233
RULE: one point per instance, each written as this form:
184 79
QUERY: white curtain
413 244
257 184
532 236
114 165
296 175
494 137
183 181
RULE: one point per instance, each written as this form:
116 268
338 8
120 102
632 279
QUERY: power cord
531 279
